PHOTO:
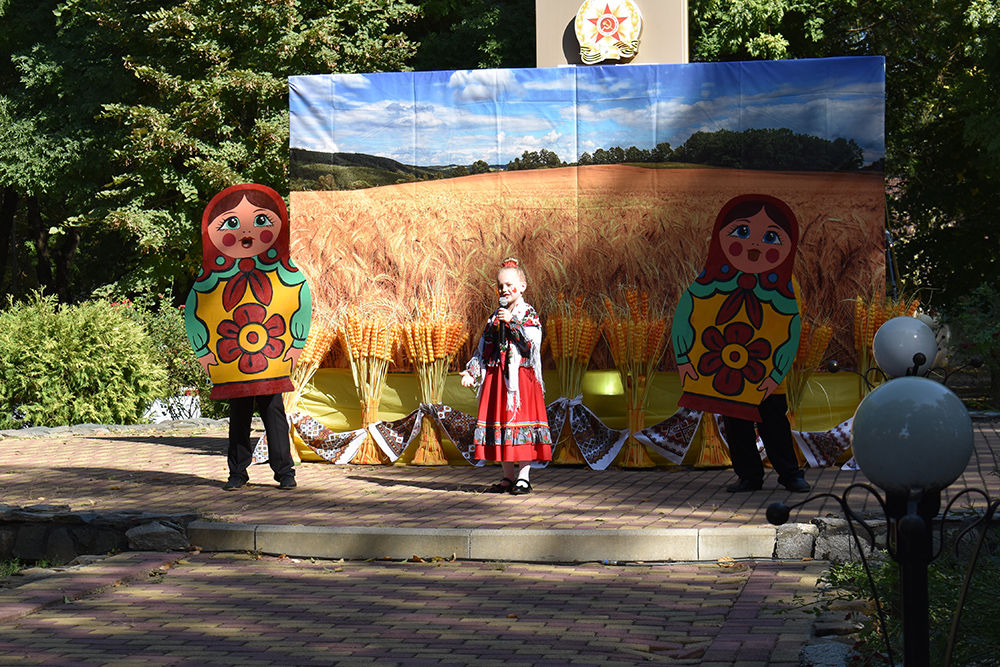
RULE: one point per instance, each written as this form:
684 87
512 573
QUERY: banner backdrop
599 178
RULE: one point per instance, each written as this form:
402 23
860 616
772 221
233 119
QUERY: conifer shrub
164 323
74 364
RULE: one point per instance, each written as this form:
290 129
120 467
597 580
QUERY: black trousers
272 412
776 433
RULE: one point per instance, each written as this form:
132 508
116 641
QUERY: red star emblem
608 24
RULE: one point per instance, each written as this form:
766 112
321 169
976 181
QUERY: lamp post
912 438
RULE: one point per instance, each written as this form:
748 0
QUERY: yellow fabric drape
332 400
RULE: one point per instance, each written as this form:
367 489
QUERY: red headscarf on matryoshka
717 267
261 196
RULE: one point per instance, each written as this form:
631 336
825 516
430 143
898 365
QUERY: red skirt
521 435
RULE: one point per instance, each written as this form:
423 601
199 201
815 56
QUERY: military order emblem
608 30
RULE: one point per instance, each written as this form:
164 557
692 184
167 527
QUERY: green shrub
169 345
62 365
978 638
975 324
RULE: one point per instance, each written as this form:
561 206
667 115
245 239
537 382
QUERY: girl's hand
467 379
505 315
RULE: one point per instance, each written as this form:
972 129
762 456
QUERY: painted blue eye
230 223
262 221
742 231
773 237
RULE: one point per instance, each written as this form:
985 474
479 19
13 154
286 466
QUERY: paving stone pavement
207 609
181 471
238 609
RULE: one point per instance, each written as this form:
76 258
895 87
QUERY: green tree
471 34
636 154
213 108
945 210
547 158
121 118
54 151
480 167
975 323
759 29
662 152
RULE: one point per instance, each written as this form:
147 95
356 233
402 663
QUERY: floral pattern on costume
733 357
251 340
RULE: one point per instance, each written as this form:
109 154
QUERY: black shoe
287 482
233 484
745 485
797 485
503 486
520 488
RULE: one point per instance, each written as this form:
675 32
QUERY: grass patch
12 566
978 638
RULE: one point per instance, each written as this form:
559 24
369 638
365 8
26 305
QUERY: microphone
502 327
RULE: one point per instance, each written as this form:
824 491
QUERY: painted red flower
250 339
733 357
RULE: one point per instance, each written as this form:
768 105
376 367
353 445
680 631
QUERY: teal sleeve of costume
681 332
785 354
197 331
302 317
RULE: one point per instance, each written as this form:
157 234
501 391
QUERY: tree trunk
994 386
63 257
43 267
8 243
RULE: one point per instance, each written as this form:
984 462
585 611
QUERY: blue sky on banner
458 117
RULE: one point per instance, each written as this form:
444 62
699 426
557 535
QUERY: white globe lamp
898 343
912 434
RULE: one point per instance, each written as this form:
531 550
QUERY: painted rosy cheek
772 255
266 236
736 249
229 240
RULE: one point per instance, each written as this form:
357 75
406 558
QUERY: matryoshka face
755 244
244 231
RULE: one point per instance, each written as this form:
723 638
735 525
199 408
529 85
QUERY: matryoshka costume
512 424
247 318
735 334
